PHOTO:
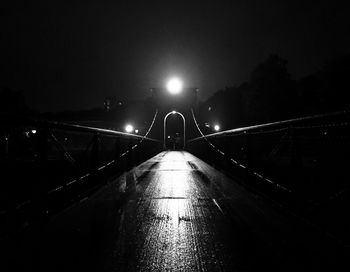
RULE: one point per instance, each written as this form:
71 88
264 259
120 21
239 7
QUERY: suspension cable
151 126
200 131
260 176
113 161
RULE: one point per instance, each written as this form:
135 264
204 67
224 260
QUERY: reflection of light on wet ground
173 179
174 184
171 243
174 220
177 219
170 226
173 161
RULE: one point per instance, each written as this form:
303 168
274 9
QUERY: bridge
267 197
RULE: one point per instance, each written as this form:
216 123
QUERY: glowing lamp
174 86
216 127
129 128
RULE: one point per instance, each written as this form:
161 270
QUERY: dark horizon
68 57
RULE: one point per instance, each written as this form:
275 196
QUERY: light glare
216 127
129 128
174 86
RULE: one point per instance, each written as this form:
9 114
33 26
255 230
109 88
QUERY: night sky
72 55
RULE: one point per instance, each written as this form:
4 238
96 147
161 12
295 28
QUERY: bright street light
129 128
174 86
216 127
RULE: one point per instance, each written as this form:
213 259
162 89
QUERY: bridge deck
176 213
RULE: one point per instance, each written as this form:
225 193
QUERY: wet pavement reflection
175 223
176 213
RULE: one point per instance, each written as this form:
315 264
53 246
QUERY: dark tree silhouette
271 94
334 84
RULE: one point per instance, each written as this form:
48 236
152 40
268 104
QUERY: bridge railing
302 161
47 165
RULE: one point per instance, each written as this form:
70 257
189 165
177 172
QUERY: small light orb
173 112
129 128
33 131
136 131
174 86
216 127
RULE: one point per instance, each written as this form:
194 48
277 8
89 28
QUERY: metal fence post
248 155
295 160
117 148
39 203
95 149
130 154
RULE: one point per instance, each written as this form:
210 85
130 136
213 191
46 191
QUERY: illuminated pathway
176 213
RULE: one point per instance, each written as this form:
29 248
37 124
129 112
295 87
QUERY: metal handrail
290 199
259 129
74 128
9 121
267 126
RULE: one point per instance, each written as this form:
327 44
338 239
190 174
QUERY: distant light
33 131
216 127
129 128
168 137
174 86
207 125
136 131
173 112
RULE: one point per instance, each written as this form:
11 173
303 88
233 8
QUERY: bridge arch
184 124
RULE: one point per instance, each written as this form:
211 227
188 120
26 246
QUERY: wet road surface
176 213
